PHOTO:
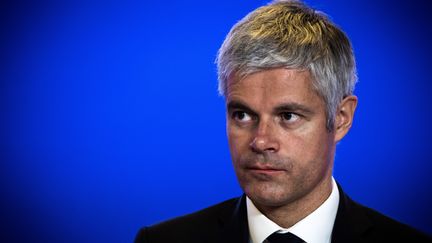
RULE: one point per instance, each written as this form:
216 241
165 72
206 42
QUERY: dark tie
284 238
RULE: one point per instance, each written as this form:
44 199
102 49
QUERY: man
287 74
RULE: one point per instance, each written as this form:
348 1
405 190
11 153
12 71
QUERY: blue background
110 118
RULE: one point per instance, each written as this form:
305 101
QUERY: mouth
265 169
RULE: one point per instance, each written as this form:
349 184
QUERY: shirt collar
320 221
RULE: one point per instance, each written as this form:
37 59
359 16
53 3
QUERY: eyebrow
284 107
232 105
293 106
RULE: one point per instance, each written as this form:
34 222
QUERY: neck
289 214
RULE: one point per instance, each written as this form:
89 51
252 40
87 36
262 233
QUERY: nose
265 139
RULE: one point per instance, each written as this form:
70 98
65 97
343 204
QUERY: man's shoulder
377 227
191 227
386 226
198 218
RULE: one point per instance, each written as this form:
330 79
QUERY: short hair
290 34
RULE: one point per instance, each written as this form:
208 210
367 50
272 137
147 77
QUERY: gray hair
290 34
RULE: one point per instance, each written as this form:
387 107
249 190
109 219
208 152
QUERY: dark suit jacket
227 222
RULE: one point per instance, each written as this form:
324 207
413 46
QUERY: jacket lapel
233 223
351 222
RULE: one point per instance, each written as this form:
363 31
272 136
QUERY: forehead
272 87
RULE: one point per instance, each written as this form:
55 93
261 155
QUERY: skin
281 149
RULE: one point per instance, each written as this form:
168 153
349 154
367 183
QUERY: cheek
308 145
238 140
312 158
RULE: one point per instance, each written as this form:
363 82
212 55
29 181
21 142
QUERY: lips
264 168
270 164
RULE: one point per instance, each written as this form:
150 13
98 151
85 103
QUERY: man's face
280 147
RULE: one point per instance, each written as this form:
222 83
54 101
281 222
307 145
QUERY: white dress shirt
317 227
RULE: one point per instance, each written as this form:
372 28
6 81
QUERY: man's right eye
241 116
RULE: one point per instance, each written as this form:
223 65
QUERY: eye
289 117
241 116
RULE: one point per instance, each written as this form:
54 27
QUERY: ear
344 117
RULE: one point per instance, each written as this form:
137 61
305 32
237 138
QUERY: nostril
264 144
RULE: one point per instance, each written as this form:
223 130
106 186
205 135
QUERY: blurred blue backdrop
110 118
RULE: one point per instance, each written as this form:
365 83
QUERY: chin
270 197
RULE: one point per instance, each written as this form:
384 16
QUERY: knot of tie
284 238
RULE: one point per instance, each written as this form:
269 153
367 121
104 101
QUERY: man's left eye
289 117
241 116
